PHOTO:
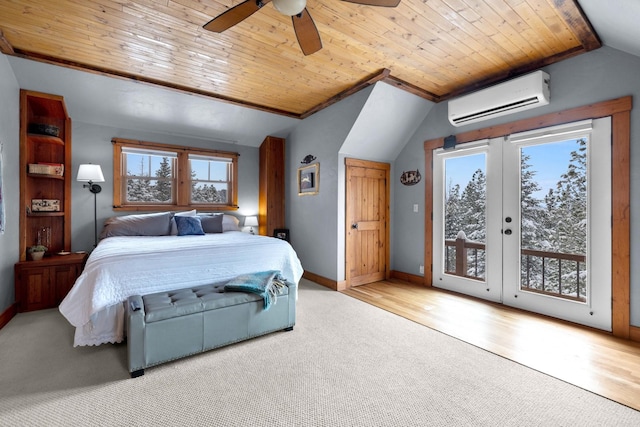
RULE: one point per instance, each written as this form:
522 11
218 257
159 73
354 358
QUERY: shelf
55 259
48 139
42 175
44 159
59 213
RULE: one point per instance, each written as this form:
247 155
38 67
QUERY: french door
526 220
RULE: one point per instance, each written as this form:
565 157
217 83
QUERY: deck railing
558 274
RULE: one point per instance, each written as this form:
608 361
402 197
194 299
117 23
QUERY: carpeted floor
346 363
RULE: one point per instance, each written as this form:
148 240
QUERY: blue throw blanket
267 284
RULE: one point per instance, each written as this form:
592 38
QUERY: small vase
37 256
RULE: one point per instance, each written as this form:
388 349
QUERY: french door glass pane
553 218
465 216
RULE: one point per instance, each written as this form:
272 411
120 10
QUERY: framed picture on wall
281 233
308 179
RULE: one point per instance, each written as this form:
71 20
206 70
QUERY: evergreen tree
567 207
162 190
470 217
473 209
533 236
532 215
452 214
139 189
452 222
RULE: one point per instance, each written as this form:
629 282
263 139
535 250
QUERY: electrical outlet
415 207
422 269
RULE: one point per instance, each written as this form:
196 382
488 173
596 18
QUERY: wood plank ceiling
434 48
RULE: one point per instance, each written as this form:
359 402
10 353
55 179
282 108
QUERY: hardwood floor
585 357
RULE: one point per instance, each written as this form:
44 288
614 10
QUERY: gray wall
92 144
9 138
316 223
596 76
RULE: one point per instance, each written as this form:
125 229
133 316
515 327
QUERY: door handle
508 232
354 226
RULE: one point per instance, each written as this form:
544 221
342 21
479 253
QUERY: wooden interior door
367 222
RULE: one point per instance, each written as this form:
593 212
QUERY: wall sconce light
251 221
90 173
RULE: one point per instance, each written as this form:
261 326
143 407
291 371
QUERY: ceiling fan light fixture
290 7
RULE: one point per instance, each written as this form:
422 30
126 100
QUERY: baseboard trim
634 333
408 277
8 314
328 283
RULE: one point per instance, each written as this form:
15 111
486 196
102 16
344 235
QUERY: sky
548 160
151 164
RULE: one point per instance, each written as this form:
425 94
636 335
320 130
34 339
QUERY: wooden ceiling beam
366 82
575 18
5 46
406 86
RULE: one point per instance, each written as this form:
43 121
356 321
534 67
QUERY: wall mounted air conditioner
519 94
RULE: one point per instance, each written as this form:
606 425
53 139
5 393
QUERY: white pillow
230 223
174 226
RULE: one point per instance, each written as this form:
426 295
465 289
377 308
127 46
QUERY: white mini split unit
522 93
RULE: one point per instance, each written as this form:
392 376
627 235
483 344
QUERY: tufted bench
165 326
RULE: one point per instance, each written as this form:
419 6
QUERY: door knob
508 231
354 226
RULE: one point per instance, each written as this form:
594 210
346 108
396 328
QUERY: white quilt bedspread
123 266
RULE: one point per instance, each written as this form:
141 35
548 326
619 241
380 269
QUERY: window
210 179
150 176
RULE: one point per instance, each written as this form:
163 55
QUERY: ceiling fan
303 25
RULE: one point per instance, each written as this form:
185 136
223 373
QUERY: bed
125 265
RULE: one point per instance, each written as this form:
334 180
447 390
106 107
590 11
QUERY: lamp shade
289 7
90 173
251 221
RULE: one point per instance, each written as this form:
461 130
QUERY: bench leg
138 373
290 328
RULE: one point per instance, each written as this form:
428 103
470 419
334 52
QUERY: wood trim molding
8 314
372 79
181 181
327 283
575 18
5 46
407 277
146 80
634 333
619 111
411 88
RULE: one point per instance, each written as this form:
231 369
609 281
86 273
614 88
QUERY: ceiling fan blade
384 3
234 15
306 32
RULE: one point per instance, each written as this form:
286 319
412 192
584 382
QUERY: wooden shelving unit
44 109
43 284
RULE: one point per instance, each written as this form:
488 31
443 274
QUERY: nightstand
44 284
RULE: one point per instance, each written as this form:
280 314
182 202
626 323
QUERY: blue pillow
189 225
